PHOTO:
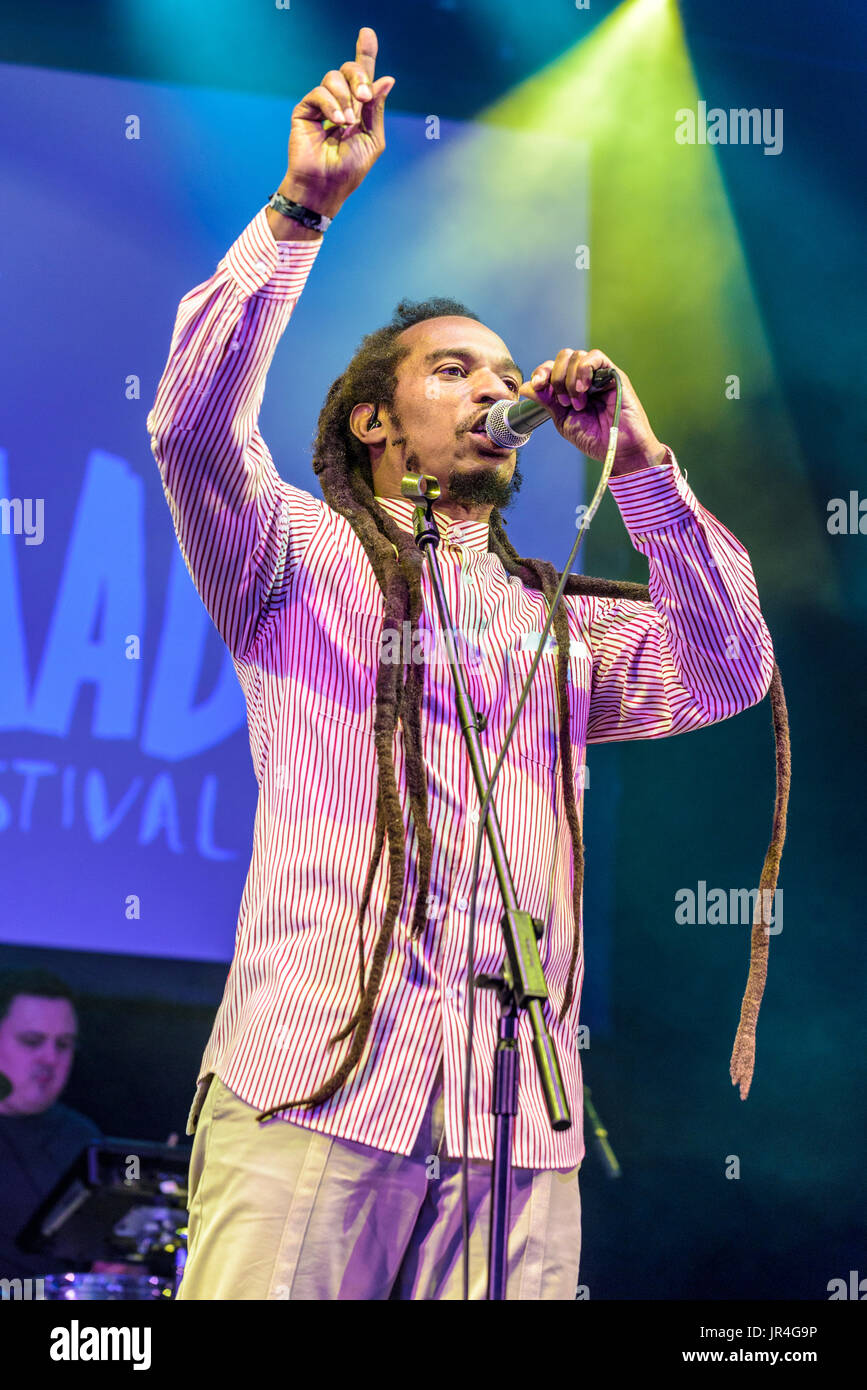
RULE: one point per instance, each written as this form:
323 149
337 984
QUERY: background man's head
38 1032
411 399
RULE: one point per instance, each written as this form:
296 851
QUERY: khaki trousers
278 1211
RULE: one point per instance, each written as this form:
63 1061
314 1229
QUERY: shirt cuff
261 265
652 498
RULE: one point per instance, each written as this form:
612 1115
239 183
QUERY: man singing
344 1013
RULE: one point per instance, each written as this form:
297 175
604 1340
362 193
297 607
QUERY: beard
489 488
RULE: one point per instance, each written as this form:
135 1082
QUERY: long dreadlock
342 463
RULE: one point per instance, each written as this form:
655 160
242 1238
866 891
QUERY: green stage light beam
671 302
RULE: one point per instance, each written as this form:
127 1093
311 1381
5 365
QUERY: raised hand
338 131
561 384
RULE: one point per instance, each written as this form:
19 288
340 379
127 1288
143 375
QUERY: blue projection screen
127 793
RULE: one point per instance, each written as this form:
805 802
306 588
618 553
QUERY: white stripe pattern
294 597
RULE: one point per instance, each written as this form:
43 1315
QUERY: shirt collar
472 535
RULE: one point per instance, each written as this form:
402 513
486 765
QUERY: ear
365 423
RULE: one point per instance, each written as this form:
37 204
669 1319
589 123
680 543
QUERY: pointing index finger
366 49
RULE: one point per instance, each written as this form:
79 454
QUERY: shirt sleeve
230 508
700 651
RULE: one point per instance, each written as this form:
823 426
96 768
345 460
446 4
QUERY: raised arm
701 651
232 512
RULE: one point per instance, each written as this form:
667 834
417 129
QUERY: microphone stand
522 983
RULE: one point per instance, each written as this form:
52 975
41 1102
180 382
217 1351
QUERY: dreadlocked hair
342 464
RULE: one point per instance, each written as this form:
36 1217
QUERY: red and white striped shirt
294 597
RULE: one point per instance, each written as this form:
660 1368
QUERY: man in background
39 1137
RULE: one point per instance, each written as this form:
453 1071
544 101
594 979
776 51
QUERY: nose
488 387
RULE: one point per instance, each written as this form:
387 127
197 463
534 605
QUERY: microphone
510 423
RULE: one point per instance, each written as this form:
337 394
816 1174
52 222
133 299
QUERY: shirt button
261 265
462 904
474 816
450 994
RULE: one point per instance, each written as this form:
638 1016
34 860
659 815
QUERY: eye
457 367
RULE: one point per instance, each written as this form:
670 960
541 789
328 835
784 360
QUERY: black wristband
306 216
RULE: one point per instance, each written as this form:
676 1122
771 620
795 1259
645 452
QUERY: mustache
471 424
